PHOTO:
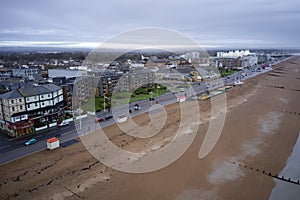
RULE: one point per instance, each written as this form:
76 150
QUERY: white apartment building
25 72
236 59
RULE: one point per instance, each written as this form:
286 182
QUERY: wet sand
261 128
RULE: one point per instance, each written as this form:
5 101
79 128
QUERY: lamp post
104 97
151 93
157 87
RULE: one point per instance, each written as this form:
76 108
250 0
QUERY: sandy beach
260 130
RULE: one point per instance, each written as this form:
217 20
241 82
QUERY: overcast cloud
220 23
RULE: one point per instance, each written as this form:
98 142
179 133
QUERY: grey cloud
229 23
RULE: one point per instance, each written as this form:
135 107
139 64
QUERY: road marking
51 132
20 142
4 146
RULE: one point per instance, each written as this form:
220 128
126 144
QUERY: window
12 101
42 103
20 100
48 95
42 96
36 104
21 107
28 105
13 109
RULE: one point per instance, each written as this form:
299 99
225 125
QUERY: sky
211 23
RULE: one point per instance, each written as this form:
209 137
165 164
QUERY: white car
238 83
63 123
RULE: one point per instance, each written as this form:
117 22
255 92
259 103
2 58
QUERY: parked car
108 117
63 123
31 141
99 120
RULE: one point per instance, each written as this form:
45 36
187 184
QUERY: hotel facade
30 108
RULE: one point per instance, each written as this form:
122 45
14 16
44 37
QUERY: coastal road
12 149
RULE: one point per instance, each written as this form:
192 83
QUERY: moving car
31 141
137 107
108 117
238 82
63 123
99 120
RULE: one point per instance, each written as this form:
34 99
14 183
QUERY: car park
31 141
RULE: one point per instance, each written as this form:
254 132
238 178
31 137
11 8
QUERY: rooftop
11 95
30 90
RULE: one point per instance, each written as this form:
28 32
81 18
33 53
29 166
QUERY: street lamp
104 98
151 93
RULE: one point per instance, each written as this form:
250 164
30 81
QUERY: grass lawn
139 97
142 93
226 72
95 104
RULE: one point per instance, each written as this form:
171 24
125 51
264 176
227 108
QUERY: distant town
38 90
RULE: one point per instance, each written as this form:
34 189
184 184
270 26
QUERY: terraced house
30 108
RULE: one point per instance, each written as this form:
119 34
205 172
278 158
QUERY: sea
286 190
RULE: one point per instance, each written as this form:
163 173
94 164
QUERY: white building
235 54
25 72
236 59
